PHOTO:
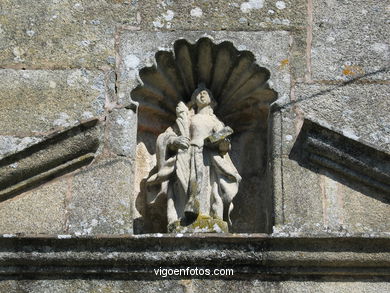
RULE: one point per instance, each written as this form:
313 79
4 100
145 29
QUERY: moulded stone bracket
357 164
60 153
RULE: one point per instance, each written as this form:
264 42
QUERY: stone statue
194 170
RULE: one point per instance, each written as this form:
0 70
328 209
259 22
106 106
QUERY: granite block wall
66 63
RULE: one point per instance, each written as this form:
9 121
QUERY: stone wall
66 63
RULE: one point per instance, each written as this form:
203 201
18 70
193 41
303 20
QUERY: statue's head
202 97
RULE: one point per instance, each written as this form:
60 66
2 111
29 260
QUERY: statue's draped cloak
197 180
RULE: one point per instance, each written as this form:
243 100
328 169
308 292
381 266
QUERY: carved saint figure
194 170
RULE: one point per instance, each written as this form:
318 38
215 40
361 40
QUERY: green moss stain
202 224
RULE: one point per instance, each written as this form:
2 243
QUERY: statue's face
203 99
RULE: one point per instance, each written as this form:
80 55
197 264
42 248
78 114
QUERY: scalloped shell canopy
236 82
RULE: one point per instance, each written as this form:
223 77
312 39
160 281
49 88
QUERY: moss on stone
202 224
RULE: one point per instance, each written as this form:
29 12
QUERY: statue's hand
181 142
224 146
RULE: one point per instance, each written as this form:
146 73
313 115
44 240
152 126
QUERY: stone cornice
250 255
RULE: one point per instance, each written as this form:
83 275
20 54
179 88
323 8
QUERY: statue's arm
170 140
178 142
162 146
220 138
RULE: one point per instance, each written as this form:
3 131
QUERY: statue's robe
197 180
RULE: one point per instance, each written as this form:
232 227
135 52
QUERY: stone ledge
254 255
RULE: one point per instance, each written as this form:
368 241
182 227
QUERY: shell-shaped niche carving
237 83
243 96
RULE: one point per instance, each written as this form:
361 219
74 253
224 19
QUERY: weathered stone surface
344 47
137 50
182 286
346 39
349 211
275 128
100 201
41 210
277 191
300 197
311 203
298 54
243 15
291 121
89 286
222 15
61 34
122 135
357 111
286 286
12 144
36 101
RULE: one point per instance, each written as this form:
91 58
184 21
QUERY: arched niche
240 88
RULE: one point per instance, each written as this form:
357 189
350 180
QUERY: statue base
202 224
